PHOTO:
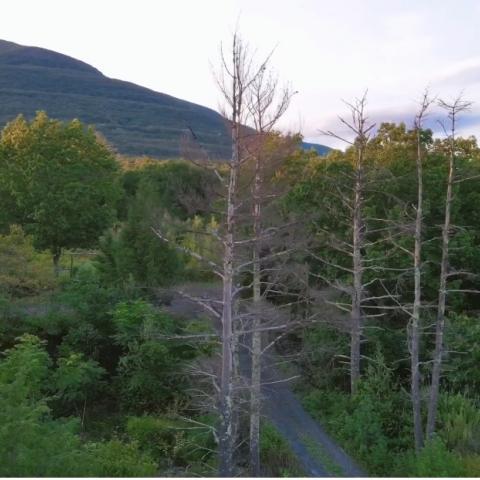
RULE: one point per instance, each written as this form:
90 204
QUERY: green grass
276 457
319 453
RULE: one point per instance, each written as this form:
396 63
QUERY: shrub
459 423
173 442
117 459
471 464
365 423
434 460
77 380
463 339
23 271
276 457
151 371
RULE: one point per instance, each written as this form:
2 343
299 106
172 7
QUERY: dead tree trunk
417 302
236 79
360 128
265 111
256 375
453 110
357 293
226 439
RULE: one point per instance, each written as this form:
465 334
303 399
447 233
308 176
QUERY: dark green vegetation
57 181
275 454
134 119
97 377
94 373
375 424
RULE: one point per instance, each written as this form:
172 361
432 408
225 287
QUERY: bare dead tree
237 78
237 71
361 128
415 325
453 109
266 107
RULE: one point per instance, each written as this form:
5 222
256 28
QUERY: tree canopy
60 181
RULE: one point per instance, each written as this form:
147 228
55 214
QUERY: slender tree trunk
357 293
56 261
248 84
442 297
226 384
415 321
256 372
453 109
361 127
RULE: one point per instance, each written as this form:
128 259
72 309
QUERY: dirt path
319 455
317 452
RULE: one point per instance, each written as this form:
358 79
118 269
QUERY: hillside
134 119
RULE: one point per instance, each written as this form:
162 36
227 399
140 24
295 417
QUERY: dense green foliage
96 373
61 181
91 370
23 271
375 425
98 357
33 442
174 198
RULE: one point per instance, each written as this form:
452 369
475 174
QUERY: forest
147 306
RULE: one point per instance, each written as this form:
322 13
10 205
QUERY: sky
327 51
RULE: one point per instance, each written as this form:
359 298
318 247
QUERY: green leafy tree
76 380
62 180
152 369
32 443
23 271
132 253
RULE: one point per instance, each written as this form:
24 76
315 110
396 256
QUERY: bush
23 271
175 443
463 339
117 459
374 423
459 423
276 457
471 463
31 443
434 460
77 380
323 366
151 372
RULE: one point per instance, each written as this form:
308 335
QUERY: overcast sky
327 50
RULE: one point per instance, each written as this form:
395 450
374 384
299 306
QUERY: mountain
134 119
320 149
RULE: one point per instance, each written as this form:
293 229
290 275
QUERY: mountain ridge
134 119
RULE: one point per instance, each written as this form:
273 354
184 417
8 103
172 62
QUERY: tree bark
226 384
415 321
453 109
226 436
256 369
442 297
357 293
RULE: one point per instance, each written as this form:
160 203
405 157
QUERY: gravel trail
319 455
